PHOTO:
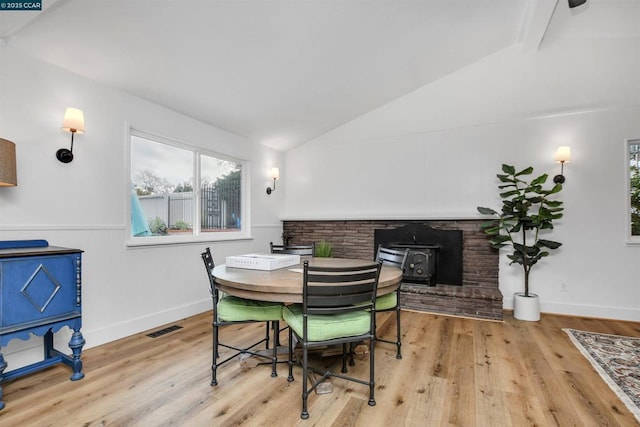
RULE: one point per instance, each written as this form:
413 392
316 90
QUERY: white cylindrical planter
526 308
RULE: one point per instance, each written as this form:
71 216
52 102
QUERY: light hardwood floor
455 372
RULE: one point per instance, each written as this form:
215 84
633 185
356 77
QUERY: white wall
83 204
435 153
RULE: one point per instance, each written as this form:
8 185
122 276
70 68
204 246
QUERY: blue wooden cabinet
40 292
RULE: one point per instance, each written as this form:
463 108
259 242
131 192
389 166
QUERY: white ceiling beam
537 15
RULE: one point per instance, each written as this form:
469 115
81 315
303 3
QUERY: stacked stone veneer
479 296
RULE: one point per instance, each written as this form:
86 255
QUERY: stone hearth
478 297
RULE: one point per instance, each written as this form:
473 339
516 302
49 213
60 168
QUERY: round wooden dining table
285 284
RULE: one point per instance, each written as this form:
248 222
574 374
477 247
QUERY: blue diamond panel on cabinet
40 292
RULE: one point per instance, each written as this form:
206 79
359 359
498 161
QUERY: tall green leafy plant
526 211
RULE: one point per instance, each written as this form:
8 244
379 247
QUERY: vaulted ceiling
280 72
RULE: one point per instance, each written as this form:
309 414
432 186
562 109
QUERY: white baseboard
115 331
21 353
601 312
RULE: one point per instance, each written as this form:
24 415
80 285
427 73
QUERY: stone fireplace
464 285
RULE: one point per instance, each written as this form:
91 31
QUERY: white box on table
262 261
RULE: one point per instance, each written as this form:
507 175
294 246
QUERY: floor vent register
164 331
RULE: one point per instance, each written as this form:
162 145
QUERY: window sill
155 241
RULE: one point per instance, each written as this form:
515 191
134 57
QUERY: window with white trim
179 192
633 185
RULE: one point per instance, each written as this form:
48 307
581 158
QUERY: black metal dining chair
231 310
302 250
391 302
338 307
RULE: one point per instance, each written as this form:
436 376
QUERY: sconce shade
73 120
275 173
563 154
8 176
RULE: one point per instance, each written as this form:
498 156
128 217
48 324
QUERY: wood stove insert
435 256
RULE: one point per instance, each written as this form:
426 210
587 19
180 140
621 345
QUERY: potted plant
526 212
324 249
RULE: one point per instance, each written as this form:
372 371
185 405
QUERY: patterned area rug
617 360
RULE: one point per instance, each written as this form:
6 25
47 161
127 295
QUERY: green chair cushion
387 302
325 327
234 309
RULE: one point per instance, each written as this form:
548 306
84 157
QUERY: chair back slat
302 250
393 257
359 287
318 303
340 277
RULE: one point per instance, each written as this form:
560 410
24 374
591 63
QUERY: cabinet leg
75 344
47 341
3 366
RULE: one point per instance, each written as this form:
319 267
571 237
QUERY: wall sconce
563 154
73 122
8 176
275 175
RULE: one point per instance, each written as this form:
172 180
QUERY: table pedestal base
248 361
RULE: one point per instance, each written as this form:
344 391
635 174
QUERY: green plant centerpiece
324 249
527 210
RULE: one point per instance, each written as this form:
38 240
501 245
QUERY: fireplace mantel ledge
425 217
